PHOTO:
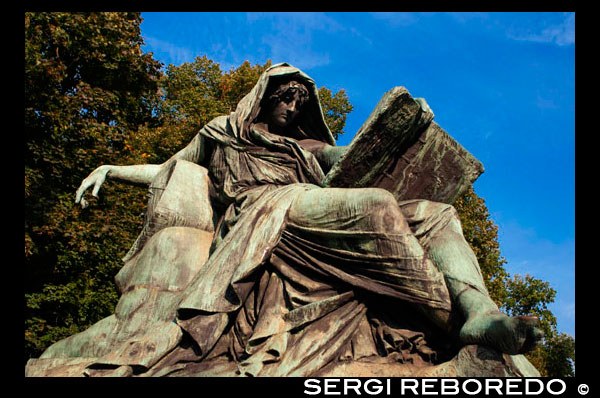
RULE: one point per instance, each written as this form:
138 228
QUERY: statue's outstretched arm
141 174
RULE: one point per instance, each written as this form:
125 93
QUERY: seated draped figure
284 276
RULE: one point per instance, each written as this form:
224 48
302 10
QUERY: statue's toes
532 334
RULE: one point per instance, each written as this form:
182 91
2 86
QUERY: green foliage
87 89
560 355
556 357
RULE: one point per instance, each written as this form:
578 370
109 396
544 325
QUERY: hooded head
277 81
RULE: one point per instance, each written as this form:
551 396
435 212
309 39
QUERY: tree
88 87
559 355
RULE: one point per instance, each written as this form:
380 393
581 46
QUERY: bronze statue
297 275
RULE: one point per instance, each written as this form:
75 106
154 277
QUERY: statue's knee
380 198
451 210
441 209
385 215
451 219
444 216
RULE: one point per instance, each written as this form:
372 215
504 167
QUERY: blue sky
502 84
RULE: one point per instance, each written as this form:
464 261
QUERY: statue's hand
424 106
96 178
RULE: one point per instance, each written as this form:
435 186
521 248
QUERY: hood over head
311 120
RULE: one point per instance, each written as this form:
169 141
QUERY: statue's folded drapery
291 290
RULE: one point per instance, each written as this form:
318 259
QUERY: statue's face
286 109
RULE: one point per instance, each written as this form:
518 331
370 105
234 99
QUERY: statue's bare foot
510 335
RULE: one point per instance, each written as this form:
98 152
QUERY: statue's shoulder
219 122
218 129
221 119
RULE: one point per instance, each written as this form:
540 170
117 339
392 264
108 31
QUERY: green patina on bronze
254 261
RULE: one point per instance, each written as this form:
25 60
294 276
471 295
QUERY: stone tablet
399 148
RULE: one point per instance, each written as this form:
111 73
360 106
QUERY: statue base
471 361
